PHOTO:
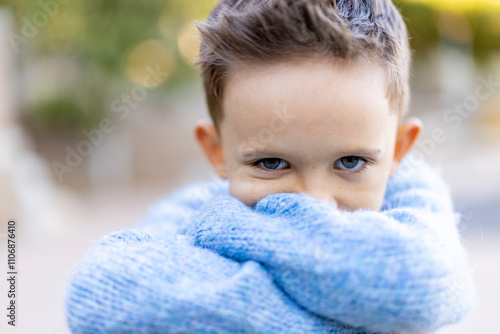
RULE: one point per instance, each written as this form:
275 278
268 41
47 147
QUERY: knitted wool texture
204 262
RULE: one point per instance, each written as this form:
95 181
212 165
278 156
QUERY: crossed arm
290 264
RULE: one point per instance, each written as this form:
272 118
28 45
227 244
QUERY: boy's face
312 126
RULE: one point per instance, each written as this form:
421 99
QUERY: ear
408 132
209 141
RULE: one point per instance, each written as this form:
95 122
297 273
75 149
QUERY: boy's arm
173 212
403 269
131 282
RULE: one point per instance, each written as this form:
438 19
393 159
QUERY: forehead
312 97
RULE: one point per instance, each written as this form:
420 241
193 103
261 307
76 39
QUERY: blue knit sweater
204 262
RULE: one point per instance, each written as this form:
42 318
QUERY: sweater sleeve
175 211
403 269
134 282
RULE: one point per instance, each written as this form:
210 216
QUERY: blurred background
98 99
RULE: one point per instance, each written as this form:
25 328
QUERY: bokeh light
459 5
150 63
455 27
188 42
63 28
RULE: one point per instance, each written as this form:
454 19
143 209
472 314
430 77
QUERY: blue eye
271 163
350 163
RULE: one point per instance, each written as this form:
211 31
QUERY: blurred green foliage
429 25
97 36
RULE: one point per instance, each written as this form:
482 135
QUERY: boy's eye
271 163
351 163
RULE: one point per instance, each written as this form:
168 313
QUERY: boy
310 228
338 87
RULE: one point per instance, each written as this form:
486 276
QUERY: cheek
372 201
373 195
368 195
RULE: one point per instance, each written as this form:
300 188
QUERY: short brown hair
242 32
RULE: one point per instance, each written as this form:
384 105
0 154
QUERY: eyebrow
363 152
248 155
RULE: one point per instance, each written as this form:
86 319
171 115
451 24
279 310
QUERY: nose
318 189
322 196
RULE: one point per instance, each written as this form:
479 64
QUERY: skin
318 127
